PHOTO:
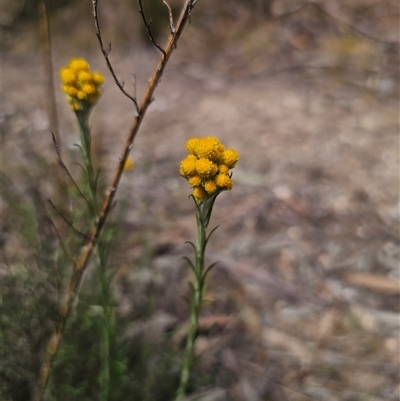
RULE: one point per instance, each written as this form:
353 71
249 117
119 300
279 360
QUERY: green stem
88 170
109 326
196 300
90 186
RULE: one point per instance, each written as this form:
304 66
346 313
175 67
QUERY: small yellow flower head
207 147
199 194
188 166
89 89
129 164
97 78
207 166
231 156
78 64
195 180
70 90
67 76
82 87
223 169
191 145
81 95
224 181
84 77
210 186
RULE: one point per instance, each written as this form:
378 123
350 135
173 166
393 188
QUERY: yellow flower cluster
207 166
80 84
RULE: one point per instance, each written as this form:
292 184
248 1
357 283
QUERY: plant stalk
196 300
87 250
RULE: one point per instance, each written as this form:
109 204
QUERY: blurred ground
305 295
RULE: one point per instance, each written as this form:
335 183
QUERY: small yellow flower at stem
78 64
67 76
80 84
223 169
206 168
89 89
191 145
129 164
224 181
70 90
199 194
195 181
210 186
81 95
84 77
206 147
97 78
231 156
188 166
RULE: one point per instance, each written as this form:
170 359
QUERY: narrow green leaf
211 233
191 243
206 272
190 262
192 289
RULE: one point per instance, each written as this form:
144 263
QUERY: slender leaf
211 233
190 262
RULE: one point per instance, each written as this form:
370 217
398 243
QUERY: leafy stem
203 215
89 177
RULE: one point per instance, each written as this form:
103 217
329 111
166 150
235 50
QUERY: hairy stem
89 178
196 300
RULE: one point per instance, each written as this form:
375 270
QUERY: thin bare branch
171 17
60 160
66 220
106 53
86 252
147 24
60 238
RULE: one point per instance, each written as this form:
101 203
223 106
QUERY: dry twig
106 53
62 164
171 18
66 220
147 24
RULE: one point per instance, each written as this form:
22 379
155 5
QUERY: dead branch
60 239
147 24
106 53
60 160
170 16
66 220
